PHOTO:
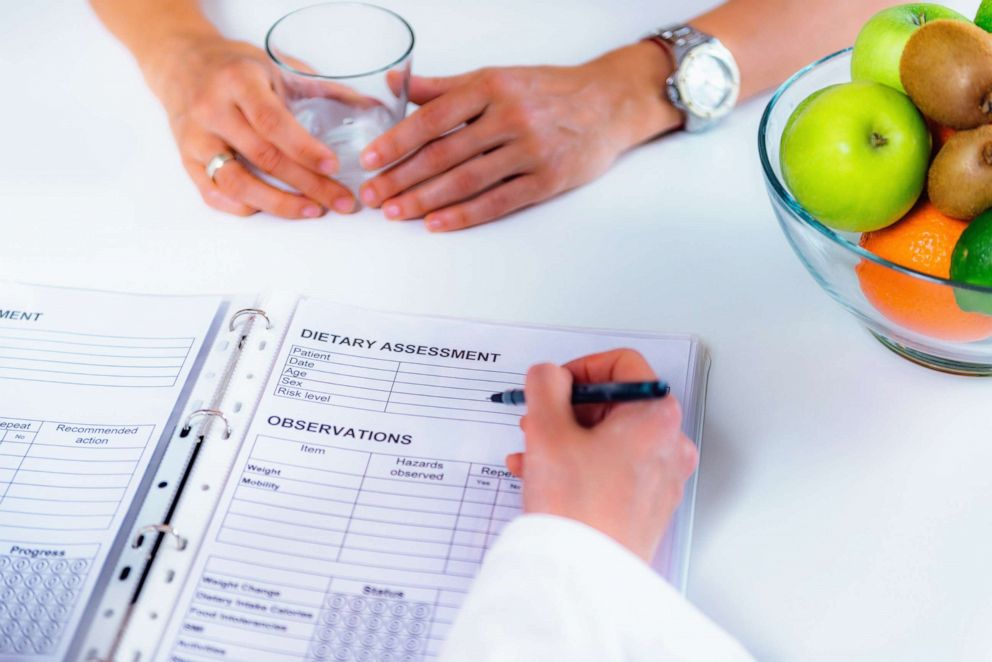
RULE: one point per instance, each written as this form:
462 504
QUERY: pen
584 394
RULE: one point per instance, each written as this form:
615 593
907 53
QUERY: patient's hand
618 468
220 96
517 136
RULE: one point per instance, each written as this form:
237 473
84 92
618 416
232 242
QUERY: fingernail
368 196
434 223
370 159
311 211
344 205
392 210
328 167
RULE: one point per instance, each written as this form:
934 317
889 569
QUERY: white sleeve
556 589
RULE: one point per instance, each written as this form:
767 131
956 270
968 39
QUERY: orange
924 241
941 134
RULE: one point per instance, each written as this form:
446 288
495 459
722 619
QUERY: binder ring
248 312
159 528
188 425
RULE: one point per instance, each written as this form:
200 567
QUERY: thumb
549 408
424 88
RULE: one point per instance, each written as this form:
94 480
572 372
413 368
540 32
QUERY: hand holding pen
617 467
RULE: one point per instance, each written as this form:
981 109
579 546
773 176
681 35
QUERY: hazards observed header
401 347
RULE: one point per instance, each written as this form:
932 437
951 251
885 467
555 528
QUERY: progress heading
401 348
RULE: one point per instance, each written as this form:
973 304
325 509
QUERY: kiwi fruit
960 180
946 69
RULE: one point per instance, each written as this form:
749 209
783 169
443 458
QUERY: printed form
369 487
87 384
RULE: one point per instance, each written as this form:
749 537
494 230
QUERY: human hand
618 468
221 96
489 142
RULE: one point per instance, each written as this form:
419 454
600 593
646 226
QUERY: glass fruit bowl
916 315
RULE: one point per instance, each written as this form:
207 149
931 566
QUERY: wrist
164 59
642 110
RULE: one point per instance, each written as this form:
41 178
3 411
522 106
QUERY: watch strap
680 39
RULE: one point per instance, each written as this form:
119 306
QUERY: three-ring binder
188 425
251 313
181 542
148 540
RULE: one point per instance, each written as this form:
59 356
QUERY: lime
984 17
971 262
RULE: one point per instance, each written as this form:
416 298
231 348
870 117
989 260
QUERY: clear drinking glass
344 71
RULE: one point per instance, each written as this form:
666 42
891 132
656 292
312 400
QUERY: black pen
586 394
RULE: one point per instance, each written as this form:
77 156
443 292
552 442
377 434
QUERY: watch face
708 83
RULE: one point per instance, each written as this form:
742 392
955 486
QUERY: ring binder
188 425
249 312
160 528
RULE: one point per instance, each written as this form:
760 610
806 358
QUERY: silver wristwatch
706 80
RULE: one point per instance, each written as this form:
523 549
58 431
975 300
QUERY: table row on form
370 508
400 387
66 476
293 615
91 360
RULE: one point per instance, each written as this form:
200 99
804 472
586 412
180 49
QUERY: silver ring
251 312
217 163
188 425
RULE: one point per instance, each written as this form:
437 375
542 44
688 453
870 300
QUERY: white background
844 498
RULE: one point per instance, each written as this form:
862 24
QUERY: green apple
880 43
855 155
983 18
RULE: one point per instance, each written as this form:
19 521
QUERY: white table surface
844 496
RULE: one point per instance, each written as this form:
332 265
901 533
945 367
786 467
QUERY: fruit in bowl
946 68
972 263
856 155
885 190
924 240
879 47
961 175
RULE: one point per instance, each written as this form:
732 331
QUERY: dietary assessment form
369 487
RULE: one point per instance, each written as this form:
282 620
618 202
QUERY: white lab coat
554 589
